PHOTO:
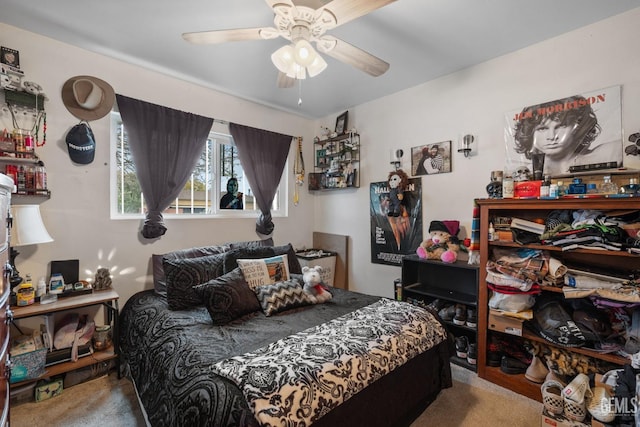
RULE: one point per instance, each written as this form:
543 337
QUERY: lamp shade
317 66
28 228
283 58
303 53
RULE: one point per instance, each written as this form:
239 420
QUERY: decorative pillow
159 277
252 243
281 296
228 297
264 271
233 255
183 274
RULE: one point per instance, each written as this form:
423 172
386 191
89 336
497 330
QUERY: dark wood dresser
6 185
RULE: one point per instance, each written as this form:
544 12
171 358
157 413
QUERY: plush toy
398 181
443 242
313 284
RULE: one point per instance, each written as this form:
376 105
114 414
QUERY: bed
175 357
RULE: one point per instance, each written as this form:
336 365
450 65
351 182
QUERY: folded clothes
586 282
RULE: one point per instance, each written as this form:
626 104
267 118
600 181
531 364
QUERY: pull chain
299 93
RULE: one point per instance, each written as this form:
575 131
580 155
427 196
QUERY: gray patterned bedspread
169 354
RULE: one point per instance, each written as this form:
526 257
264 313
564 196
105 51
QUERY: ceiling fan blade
221 36
349 54
348 10
285 81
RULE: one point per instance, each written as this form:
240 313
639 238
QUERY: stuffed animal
443 242
313 284
398 181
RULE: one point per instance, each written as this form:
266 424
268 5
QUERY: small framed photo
342 123
431 159
10 57
315 180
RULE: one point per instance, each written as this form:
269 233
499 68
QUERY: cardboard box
552 420
506 324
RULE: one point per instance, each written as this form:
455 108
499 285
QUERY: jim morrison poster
578 133
392 237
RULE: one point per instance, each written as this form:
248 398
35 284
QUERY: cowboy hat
87 97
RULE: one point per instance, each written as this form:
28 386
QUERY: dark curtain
165 145
263 155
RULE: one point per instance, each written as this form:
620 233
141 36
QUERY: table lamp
27 229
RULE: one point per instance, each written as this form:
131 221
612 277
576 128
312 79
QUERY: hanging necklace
298 171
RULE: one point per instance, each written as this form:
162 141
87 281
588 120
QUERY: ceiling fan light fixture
304 53
283 58
296 72
317 66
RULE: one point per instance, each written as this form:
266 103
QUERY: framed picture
341 123
10 57
431 159
315 180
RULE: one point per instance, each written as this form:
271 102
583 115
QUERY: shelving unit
425 280
531 209
337 163
107 298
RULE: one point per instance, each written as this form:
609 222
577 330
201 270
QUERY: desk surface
96 297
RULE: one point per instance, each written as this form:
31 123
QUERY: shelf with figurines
337 160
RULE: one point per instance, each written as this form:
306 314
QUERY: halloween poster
392 237
578 133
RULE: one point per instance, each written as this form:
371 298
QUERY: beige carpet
107 402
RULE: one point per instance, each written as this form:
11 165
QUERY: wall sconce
396 158
464 145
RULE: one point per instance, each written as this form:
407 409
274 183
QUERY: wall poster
578 133
393 237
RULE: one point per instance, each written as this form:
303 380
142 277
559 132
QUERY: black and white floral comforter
298 379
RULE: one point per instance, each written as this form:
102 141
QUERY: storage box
324 259
27 366
526 189
553 420
506 324
49 389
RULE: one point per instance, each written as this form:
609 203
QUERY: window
202 194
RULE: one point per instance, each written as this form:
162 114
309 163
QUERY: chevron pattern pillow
281 296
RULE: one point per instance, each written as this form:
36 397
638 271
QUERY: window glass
217 180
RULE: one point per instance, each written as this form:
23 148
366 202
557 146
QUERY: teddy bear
312 284
443 242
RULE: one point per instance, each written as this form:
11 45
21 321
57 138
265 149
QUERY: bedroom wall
474 101
77 215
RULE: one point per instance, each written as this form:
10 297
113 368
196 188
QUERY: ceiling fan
304 22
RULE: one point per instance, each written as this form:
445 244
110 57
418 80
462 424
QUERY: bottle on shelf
631 188
544 188
562 189
592 188
21 182
507 185
26 293
492 232
41 177
41 290
607 186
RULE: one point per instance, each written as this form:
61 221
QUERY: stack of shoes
537 371
472 317
574 397
462 347
460 317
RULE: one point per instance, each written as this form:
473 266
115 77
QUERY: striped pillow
281 296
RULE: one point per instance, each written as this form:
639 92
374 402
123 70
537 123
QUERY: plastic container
26 294
324 259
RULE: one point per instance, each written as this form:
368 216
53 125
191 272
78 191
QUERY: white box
324 259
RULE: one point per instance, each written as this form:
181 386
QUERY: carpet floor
111 402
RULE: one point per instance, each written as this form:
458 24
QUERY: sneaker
512 366
436 305
472 354
537 371
460 317
462 346
494 355
447 313
472 317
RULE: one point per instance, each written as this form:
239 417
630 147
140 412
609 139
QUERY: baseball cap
81 144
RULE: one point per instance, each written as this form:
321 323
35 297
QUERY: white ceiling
421 39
